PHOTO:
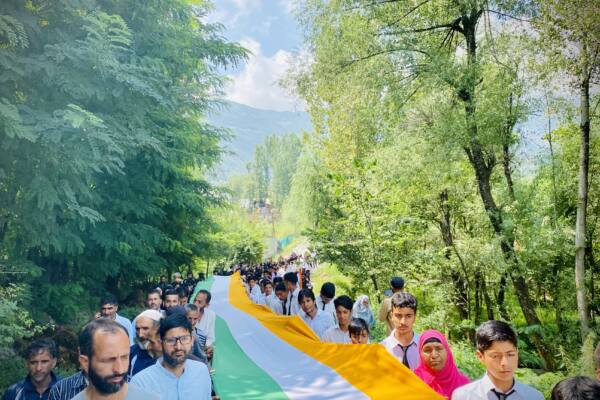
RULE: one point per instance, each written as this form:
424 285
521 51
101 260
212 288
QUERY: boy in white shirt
497 350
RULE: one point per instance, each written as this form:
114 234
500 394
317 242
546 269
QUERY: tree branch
454 25
379 53
507 15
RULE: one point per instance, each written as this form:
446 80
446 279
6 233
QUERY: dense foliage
104 144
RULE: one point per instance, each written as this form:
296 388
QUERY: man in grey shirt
104 359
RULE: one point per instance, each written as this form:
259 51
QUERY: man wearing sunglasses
174 377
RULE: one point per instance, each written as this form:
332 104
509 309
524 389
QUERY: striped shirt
69 387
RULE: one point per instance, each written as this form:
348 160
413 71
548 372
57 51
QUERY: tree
570 33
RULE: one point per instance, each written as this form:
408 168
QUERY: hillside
250 127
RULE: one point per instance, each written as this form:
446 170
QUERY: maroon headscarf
449 378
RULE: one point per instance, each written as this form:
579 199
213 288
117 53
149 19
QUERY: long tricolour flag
261 355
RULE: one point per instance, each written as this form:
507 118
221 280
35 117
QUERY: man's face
403 319
308 305
154 344
109 311
363 338
107 367
183 301
143 331
154 301
343 315
175 352
326 300
281 295
193 317
163 279
598 374
171 300
251 283
190 276
268 289
501 361
40 365
200 301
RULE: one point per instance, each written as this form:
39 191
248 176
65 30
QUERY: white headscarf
154 315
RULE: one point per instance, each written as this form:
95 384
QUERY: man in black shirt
41 360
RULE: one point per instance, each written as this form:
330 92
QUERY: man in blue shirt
146 332
41 360
109 306
174 377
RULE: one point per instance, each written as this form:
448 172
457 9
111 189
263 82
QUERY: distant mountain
251 126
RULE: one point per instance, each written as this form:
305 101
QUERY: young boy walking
497 350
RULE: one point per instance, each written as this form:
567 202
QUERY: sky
268 29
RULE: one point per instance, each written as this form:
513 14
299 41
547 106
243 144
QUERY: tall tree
570 33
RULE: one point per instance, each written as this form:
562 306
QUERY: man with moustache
154 301
41 357
146 329
104 357
174 376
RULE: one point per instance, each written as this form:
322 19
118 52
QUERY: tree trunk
483 165
460 296
582 198
488 301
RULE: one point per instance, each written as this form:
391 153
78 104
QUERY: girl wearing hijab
436 365
362 309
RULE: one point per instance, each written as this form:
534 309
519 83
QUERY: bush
13 370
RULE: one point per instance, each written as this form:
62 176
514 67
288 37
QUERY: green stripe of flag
235 375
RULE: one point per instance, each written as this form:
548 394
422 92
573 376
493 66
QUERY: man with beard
171 298
146 330
207 320
41 360
175 377
104 357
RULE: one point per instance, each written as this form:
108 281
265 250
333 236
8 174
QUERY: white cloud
257 84
289 6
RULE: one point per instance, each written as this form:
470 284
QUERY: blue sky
268 29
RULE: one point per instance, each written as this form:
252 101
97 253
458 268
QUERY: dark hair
576 388
153 291
172 322
190 308
280 287
207 293
40 345
109 298
494 331
86 336
291 277
171 292
267 282
305 293
597 356
277 279
397 283
343 301
175 310
181 292
404 300
328 290
357 325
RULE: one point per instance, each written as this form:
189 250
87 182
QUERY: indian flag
261 355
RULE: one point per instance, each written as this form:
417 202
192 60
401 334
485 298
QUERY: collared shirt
482 390
273 303
320 323
392 345
139 360
67 388
292 305
193 384
207 325
133 393
24 390
336 335
328 307
385 314
128 326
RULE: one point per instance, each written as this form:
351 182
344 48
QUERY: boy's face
501 361
363 338
403 319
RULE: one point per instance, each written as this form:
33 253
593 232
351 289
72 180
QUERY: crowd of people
166 351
